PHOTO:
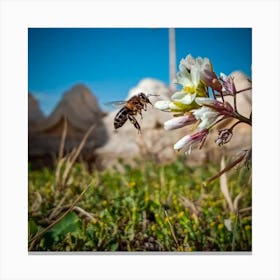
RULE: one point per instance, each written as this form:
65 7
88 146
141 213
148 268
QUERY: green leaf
70 223
32 228
114 247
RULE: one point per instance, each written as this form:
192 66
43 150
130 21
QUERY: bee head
143 98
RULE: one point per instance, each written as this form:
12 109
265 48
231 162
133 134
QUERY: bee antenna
152 94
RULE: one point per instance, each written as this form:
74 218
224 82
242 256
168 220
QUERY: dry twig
171 229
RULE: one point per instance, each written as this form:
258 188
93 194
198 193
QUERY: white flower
189 80
206 115
200 63
179 122
205 69
187 63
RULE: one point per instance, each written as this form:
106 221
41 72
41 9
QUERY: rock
35 114
79 107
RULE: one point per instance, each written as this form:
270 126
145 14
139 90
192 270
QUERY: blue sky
110 61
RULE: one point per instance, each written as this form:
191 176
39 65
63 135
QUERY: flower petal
195 75
186 63
178 95
162 105
182 142
173 107
183 78
189 61
188 99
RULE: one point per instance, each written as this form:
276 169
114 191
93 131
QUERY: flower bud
179 122
182 142
224 136
189 140
228 86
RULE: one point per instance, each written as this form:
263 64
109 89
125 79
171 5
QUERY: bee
131 108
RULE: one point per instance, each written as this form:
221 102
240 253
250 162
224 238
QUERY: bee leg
139 109
135 123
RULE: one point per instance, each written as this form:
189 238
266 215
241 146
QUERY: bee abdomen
120 118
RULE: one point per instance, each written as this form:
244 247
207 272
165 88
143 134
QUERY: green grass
150 207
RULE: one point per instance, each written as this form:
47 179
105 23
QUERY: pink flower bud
179 122
228 86
189 140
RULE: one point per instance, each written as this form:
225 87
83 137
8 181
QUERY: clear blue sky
110 61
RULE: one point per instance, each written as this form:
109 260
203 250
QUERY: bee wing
115 104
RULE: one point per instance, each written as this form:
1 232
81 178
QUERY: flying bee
131 108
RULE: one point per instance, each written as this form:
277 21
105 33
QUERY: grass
150 207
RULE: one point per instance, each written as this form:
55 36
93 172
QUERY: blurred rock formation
79 107
35 114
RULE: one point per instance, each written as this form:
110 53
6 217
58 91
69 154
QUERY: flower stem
242 118
218 121
234 100
241 90
238 122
